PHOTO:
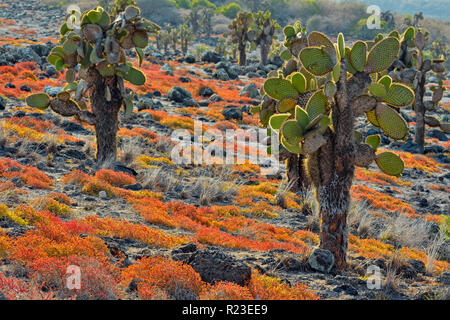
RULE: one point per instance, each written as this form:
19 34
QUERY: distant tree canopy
203 4
231 10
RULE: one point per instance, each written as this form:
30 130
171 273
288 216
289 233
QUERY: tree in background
231 10
388 17
206 15
417 18
240 35
186 37
194 20
183 4
263 28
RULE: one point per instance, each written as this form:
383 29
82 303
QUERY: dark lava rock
232 113
70 126
206 92
134 187
418 265
122 168
213 264
190 59
347 289
321 260
179 94
438 134
25 88
2 103
211 56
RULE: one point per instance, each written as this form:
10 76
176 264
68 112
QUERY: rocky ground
397 225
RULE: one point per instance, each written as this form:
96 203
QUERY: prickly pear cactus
92 53
312 103
412 69
239 33
262 33
186 37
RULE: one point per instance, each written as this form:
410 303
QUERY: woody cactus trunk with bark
312 105
240 34
295 169
92 53
412 68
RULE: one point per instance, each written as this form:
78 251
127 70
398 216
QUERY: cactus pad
278 89
299 82
391 122
64 108
358 55
373 141
377 89
372 118
390 163
316 60
317 104
135 76
386 81
277 120
329 89
292 148
382 55
399 95
341 44
286 104
364 155
318 39
301 116
39 100
289 31
292 131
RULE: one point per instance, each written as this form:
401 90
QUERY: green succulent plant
95 64
262 33
240 34
186 37
312 103
412 68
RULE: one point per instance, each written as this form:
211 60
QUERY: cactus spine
95 63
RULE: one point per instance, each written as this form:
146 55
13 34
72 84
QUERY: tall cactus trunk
296 173
332 167
264 53
107 117
419 110
242 55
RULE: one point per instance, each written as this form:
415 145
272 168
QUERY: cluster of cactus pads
99 43
297 99
258 29
239 33
263 34
411 68
93 55
312 103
